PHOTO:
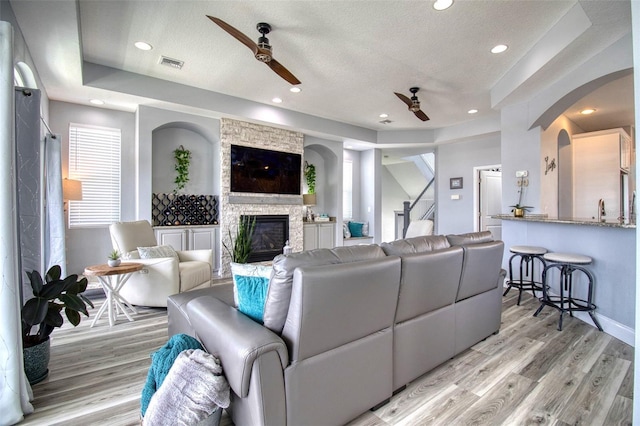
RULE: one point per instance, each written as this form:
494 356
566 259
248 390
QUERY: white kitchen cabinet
319 235
600 161
190 238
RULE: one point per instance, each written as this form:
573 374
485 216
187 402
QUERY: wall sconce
71 190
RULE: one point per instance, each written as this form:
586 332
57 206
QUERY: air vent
386 122
174 63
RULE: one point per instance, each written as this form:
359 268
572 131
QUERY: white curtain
54 228
14 389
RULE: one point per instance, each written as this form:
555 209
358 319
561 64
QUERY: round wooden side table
112 279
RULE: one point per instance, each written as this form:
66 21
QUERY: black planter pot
36 361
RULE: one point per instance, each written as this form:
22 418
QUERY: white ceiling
350 55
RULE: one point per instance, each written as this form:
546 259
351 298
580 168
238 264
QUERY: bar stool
526 281
567 264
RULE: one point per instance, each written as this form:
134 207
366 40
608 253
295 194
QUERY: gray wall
458 160
89 246
201 170
393 195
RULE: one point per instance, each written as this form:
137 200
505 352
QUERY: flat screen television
264 171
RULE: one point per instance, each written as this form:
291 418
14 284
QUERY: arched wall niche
328 178
24 76
565 174
165 140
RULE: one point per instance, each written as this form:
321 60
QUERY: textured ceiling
350 55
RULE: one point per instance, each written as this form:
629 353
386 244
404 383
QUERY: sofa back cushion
481 269
279 292
333 306
429 281
470 238
420 244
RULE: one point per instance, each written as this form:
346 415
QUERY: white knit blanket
192 390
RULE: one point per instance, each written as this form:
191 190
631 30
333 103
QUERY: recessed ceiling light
276 100
499 48
442 4
96 101
384 115
142 45
295 89
588 111
472 111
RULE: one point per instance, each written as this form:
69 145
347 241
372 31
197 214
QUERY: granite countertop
571 221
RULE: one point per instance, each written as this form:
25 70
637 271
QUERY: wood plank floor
529 373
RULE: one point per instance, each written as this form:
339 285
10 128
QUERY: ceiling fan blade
279 69
421 115
404 99
235 33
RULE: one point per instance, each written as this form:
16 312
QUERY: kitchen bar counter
570 221
611 245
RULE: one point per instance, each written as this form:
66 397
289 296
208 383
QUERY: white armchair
162 276
418 228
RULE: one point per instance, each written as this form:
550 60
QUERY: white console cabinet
190 238
319 235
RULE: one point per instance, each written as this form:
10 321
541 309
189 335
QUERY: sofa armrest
234 338
199 255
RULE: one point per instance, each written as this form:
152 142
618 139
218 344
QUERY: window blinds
94 159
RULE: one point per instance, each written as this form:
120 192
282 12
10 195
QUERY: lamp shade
309 199
71 189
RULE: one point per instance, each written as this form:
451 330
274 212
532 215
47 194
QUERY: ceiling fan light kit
261 50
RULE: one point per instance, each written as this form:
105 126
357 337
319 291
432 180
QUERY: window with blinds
94 159
347 189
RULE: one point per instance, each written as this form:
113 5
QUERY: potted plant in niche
114 258
44 311
309 199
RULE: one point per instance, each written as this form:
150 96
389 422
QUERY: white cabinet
190 238
319 235
600 161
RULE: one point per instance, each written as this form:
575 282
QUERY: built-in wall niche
328 179
165 140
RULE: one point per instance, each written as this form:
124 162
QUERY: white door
490 202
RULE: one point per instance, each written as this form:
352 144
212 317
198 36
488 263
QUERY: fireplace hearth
269 237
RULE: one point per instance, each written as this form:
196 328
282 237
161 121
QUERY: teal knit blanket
161 362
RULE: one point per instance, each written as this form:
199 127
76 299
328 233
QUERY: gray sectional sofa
344 328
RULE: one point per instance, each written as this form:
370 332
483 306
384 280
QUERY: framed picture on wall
455 183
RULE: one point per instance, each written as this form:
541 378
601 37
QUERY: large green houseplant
43 313
239 247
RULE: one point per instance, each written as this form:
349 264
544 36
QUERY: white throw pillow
156 252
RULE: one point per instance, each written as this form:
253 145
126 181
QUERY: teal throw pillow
252 292
250 285
355 228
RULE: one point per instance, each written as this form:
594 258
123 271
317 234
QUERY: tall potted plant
42 314
239 247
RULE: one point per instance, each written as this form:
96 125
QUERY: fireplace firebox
269 237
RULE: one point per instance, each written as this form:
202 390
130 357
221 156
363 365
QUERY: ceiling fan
413 103
261 50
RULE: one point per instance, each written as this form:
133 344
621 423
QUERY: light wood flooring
529 373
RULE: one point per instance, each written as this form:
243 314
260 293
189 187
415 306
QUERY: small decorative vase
518 212
113 262
36 361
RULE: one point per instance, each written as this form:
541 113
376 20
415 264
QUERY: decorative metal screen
182 209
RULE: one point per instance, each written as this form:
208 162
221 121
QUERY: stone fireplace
269 237
233 205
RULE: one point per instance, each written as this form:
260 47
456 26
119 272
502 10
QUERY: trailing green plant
240 246
49 298
114 255
182 157
310 177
